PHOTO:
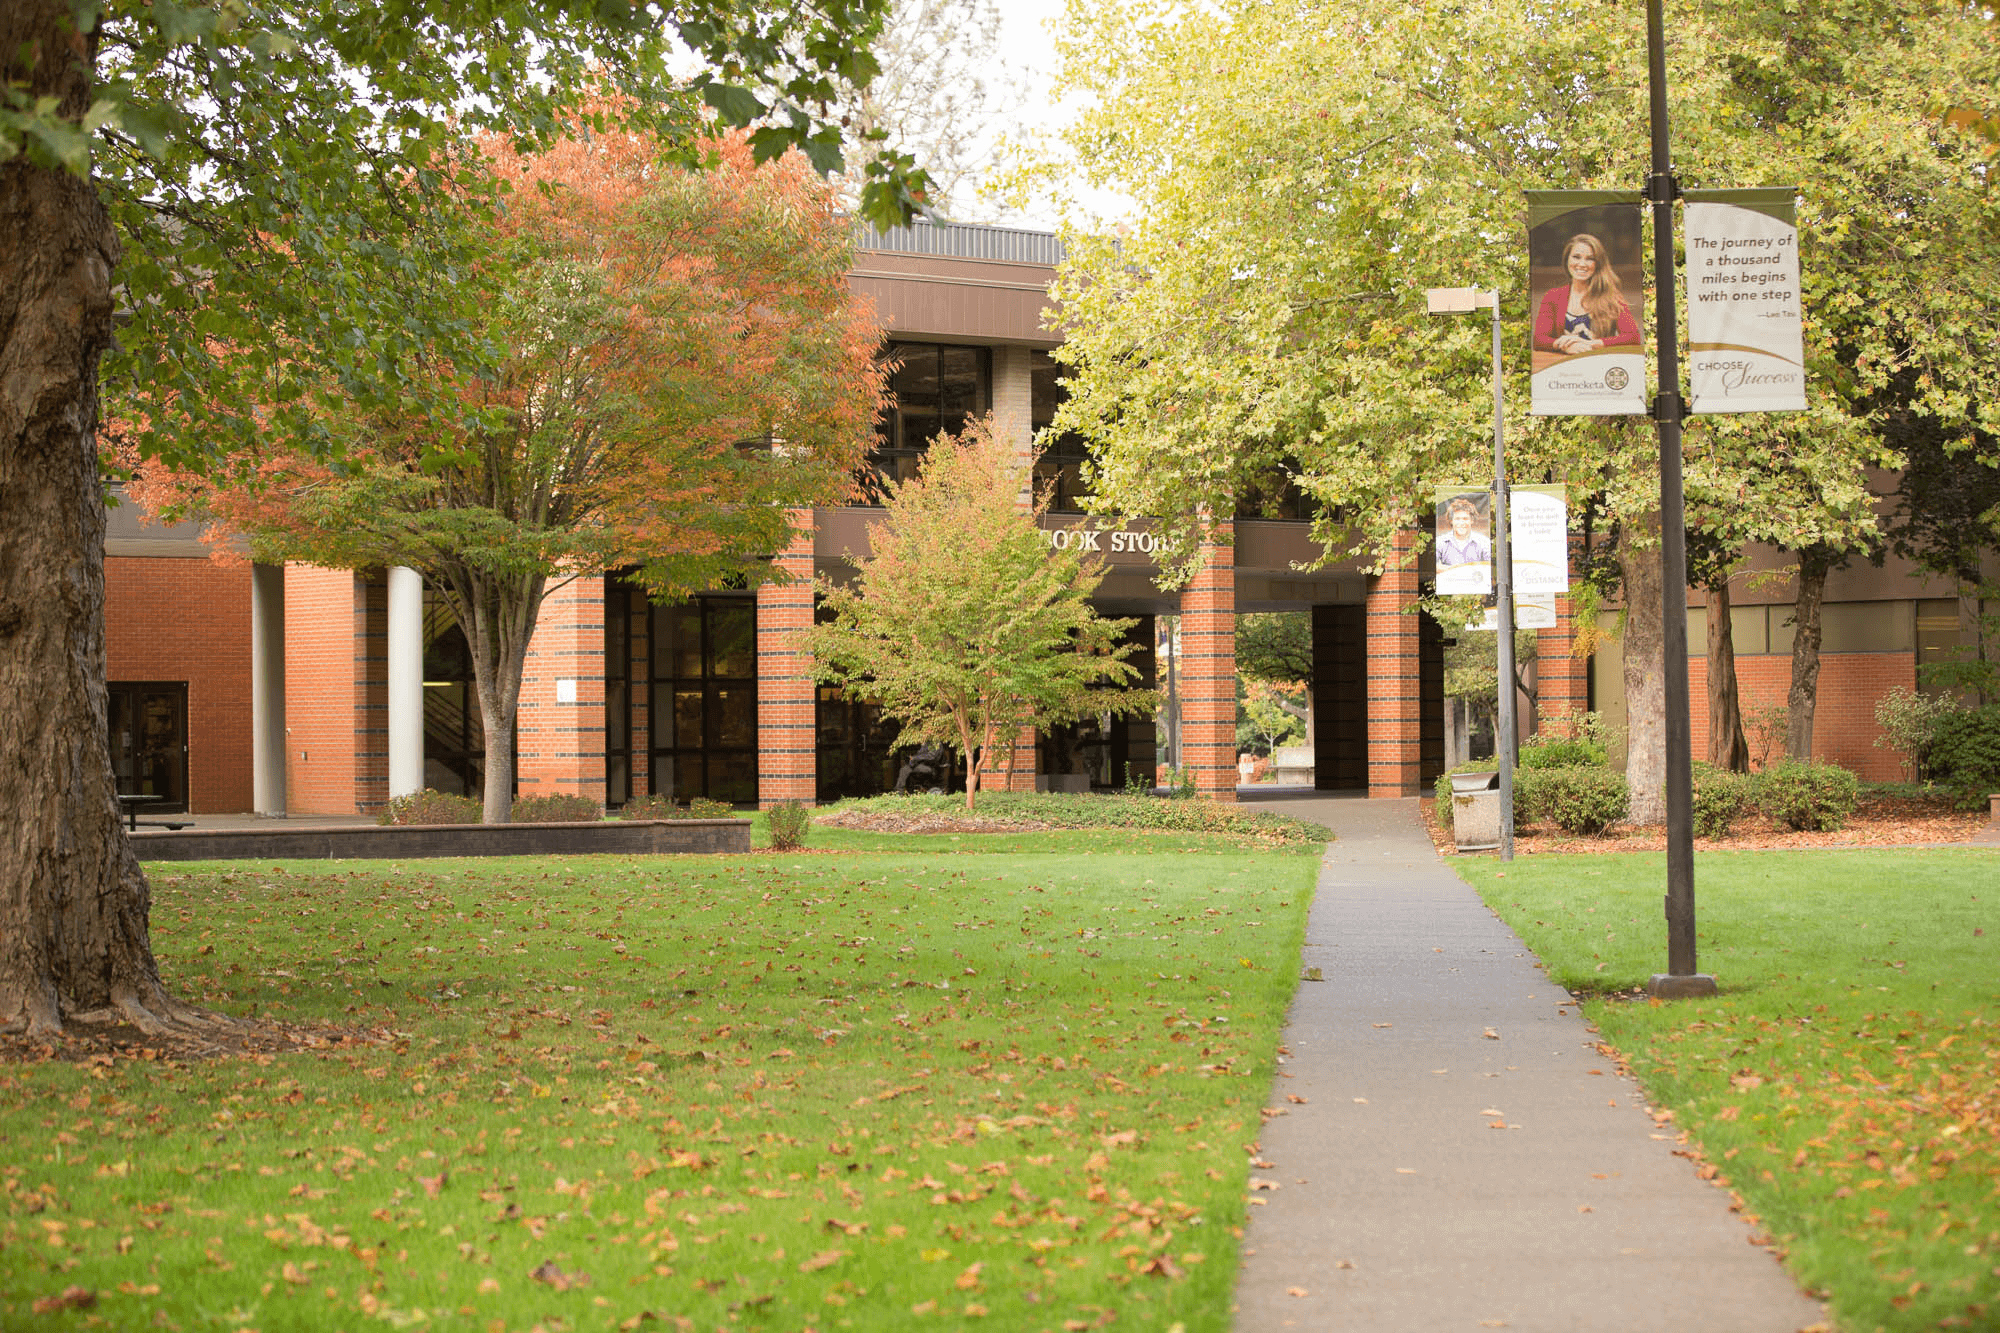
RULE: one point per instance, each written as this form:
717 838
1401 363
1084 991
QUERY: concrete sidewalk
1461 1156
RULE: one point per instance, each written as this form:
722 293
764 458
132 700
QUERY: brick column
787 698
336 692
1208 674
559 730
1395 684
1561 680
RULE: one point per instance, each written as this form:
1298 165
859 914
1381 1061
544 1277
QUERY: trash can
1475 811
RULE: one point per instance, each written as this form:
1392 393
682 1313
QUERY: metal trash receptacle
1475 811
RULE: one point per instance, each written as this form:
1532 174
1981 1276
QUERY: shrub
1578 800
1965 753
701 807
1720 798
1910 722
561 808
1093 810
789 822
430 806
654 806
1808 796
1566 741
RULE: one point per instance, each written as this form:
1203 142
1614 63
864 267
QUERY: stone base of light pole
1666 986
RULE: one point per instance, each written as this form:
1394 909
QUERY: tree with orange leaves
673 360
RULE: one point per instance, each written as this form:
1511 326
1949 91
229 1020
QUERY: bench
131 805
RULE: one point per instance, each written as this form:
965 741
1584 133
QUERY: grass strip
903 1088
1845 1084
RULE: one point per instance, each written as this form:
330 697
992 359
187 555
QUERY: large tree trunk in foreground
1804 696
1727 747
1645 672
73 901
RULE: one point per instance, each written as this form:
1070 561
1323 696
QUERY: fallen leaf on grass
969 1279
824 1259
555 1277
72 1298
432 1184
1162 1266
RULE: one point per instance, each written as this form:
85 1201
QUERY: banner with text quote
1746 344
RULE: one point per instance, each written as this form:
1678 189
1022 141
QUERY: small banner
1586 281
1745 339
1537 531
1464 542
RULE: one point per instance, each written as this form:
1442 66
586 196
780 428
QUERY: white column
267 689
406 681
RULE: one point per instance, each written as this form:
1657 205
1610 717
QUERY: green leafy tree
235 186
660 326
1304 171
1277 646
1269 713
964 624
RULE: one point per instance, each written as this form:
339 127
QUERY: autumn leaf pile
838 1091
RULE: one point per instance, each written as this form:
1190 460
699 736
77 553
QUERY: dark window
1059 469
703 698
937 389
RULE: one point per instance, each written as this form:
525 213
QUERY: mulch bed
1879 821
873 821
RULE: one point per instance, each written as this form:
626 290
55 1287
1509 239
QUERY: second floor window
938 388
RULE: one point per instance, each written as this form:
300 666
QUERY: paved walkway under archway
1400 1206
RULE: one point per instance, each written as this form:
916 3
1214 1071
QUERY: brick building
314 691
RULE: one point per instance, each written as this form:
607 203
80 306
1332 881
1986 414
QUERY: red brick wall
1561 681
1208 674
787 723
188 619
336 692
1844 728
1395 683
559 746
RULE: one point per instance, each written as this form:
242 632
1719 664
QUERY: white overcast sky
1028 49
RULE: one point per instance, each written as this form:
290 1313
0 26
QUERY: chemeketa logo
1616 378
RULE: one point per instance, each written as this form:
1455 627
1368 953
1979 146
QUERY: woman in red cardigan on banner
1588 312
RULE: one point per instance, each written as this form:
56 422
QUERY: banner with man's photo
1746 340
1537 533
1586 287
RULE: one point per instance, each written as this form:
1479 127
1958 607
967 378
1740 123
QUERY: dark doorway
1340 697
149 741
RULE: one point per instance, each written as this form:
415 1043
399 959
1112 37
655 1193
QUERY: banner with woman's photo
1586 286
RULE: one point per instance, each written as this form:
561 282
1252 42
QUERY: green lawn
886 1083
1846 1083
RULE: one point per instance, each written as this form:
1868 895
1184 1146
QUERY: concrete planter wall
610 837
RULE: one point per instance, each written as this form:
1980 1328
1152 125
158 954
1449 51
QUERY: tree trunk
1804 696
74 905
1727 747
1645 672
498 617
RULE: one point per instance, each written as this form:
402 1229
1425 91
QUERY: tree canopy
964 623
681 362
1303 171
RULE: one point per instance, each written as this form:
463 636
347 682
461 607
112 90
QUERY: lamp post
1461 301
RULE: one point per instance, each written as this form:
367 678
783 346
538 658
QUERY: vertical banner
1464 542
1745 336
1538 530
1586 284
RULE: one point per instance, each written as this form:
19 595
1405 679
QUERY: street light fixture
1463 301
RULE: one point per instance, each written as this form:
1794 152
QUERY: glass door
149 741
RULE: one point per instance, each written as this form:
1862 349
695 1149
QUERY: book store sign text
1097 539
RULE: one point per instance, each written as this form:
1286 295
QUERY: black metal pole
1681 977
1503 585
